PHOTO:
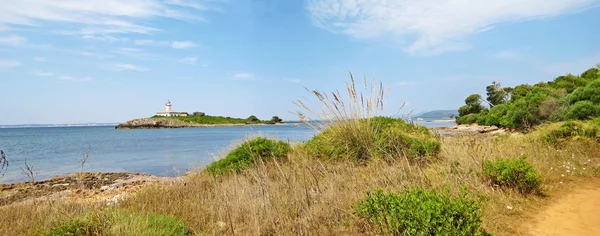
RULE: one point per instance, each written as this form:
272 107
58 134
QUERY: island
174 119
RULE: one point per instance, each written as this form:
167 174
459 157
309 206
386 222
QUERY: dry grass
302 195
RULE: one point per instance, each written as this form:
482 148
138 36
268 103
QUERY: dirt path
577 213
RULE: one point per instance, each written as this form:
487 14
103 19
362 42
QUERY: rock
104 188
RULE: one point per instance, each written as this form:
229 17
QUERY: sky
80 61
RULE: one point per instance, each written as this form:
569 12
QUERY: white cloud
4 63
295 81
75 79
145 42
89 17
12 40
42 73
174 44
183 44
106 38
189 60
121 67
39 59
428 27
244 76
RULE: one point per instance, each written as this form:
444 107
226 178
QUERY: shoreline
167 123
108 187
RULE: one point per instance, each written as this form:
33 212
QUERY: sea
53 150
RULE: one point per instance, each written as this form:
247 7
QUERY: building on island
169 112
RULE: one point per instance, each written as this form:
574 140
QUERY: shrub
73 228
120 222
573 129
467 119
374 137
513 173
421 212
583 110
246 154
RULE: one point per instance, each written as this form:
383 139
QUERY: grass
312 196
118 222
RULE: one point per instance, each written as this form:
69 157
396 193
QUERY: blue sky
75 61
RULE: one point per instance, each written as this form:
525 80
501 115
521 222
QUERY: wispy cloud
183 44
189 60
295 81
428 27
244 76
40 59
100 17
122 67
42 73
107 38
75 79
174 44
146 42
6 63
12 40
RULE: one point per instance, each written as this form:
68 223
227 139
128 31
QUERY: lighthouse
168 109
169 112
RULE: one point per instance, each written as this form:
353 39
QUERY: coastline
166 123
88 186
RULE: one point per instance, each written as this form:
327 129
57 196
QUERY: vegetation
202 118
377 137
305 195
421 212
248 153
119 222
568 97
573 130
513 173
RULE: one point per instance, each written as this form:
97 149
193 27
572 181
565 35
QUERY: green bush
377 137
574 129
119 222
584 110
74 227
247 153
468 119
421 212
513 173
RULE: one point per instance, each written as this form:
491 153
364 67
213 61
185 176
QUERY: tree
473 105
252 119
276 119
496 94
199 113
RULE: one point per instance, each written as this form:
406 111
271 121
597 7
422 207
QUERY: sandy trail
577 213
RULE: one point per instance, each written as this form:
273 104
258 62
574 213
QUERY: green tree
496 94
252 119
276 119
473 105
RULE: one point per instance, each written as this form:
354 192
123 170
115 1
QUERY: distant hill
438 114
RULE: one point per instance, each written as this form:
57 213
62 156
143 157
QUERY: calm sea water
165 152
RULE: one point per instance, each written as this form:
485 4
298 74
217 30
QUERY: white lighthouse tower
169 112
168 109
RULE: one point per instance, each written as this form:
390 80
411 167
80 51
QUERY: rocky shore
99 187
472 129
166 123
